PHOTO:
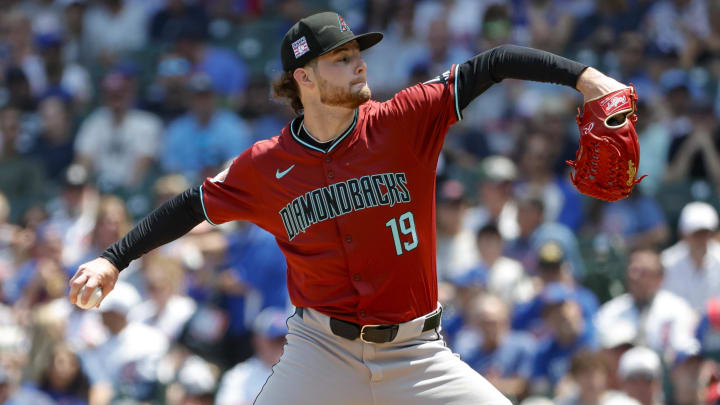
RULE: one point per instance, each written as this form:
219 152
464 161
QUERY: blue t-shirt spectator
255 259
528 316
190 147
552 361
513 358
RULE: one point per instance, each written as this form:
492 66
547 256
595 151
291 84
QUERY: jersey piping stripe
202 202
337 141
455 90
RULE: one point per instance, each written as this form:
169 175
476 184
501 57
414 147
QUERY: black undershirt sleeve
168 222
513 62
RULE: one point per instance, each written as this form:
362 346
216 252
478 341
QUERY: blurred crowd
108 108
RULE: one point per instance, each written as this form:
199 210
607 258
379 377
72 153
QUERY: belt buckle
362 332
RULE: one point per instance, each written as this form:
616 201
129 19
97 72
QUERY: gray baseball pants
320 368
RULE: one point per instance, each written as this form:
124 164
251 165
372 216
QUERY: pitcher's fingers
90 286
76 284
105 291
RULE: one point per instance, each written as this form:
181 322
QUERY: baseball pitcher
348 191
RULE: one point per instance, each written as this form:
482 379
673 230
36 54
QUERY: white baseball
92 301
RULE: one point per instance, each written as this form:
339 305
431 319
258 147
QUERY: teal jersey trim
455 90
202 202
337 141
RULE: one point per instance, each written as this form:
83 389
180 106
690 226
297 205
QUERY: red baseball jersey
356 223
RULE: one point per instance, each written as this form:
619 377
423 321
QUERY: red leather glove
609 155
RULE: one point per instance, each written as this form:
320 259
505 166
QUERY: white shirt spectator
684 278
115 33
507 279
669 26
172 318
115 150
242 383
667 322
456 254
127 357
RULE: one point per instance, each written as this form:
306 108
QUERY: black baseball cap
319 34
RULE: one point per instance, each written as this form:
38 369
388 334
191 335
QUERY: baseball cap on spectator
196 377
121 299
75 175
499 169
174 66
271 323
451 191
639 361
622 333
48 40
200 83
317 35
697 216
550 254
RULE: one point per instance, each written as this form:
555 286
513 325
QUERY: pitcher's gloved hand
609 154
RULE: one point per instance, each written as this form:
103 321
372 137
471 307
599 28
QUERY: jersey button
331 174
361 313
348 238
328 159
356 277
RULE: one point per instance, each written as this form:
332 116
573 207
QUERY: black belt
374 333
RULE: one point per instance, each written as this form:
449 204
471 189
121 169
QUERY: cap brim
365 41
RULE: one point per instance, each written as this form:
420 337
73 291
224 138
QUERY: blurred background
108 108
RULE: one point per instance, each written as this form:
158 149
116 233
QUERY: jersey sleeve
231 195
421 114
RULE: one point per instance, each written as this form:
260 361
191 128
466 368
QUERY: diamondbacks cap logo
343 25
300 47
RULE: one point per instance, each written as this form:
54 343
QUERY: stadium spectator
199 142
241 384
117 142
113 28
166 23
660 319
692 265
53 146
588 376
197 381
561 203
496 273
166 308
552 275
228 73
63 379
488 345
22 180
569 333
635 222
126 365
534 232
456 251
495 193
641 374
62 77
679 27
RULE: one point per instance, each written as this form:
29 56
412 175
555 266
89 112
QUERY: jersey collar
296 124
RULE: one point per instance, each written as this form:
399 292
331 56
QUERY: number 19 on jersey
406 227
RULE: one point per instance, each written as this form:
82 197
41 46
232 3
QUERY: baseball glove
607 160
